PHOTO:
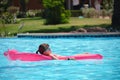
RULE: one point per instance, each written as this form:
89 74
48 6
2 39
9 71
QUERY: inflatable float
25 56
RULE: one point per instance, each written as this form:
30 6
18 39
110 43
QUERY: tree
107 4
23 7
116 15
4 4
55 12
7 14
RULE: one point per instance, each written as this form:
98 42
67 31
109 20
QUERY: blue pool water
106 69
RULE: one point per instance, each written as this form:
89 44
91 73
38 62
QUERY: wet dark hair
42 48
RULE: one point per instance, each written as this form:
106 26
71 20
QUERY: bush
30 13
105 13
39 13
8 18
107 8
110 13
76 13
13 10
21 15
34 13
55 12
89 12
107 4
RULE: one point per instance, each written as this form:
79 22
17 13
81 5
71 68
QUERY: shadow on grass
29 19
69 29
59 29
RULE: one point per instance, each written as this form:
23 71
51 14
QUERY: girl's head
44 49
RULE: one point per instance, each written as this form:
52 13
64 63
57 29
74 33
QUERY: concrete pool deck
56 35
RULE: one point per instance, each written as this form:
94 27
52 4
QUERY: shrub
8 18
34 13
13 10
110 13
89 12
103 13
38 13
76 13
55 12
21 14
107 4
30 13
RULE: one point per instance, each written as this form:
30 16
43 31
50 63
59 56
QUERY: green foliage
104 12
10 15
89 12
76 13
30 13
55 12
34 13
7 13
8 18
13 9
107 4
35 25
23 4
3 6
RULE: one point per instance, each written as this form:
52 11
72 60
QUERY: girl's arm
54 57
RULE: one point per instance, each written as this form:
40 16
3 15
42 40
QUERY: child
45 50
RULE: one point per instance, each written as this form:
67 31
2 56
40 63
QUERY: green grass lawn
36 25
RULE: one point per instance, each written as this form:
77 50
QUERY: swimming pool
106 69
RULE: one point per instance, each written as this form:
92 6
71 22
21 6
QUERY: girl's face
47 53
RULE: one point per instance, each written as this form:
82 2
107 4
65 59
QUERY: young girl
45 50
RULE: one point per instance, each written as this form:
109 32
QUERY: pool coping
57 35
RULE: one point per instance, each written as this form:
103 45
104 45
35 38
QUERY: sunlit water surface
106 69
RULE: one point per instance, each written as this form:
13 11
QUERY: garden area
36 25
55 18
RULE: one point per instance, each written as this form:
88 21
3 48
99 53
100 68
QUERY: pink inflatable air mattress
25 56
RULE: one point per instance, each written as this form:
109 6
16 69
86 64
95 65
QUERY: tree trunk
116 16
23 8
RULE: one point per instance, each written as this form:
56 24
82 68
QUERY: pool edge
57 35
